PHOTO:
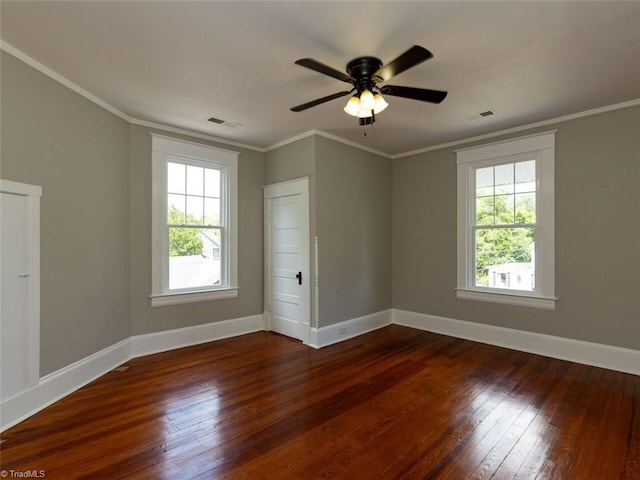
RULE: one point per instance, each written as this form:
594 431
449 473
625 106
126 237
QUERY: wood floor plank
408 403
396 403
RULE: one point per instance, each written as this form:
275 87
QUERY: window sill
531 301
165 299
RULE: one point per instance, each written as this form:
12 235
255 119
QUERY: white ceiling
178 63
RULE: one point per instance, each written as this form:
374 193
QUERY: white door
287 249
18 310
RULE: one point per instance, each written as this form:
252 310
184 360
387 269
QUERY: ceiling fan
364 74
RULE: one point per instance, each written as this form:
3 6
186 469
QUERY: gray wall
145 319
597 235
353 211
291 161
78 153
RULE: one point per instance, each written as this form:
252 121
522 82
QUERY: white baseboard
606 356
67 380
187 336
338 332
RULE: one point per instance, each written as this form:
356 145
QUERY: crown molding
60 79
542 123
321 133
193 134
296 138
352 144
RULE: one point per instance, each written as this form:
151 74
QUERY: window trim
163 150
540 146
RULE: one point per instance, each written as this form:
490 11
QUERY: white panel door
287 259
287 276
14 301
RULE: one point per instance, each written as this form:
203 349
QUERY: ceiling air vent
225 123
485 114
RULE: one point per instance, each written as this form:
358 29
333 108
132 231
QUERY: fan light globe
380 103
353 106
367 101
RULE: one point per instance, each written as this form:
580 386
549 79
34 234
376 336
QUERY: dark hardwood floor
395 403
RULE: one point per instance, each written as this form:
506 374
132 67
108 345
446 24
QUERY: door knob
24 275
299 277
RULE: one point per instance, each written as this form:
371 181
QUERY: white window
194 244
506 222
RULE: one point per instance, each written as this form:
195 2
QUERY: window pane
195 180
504 258
176 208
496 203
525 208
211 211
195 211
212 182
504 209
504 179
484 181
175 177
526 176
485 211
194 258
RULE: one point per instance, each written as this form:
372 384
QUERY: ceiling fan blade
408 59
318 101
422 94
324 69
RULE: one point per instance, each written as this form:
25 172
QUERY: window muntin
194 254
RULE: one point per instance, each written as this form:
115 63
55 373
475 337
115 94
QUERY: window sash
223 280
224 265
496 224
474 255
186 196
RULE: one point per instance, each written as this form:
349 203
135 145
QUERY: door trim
279 190
32 194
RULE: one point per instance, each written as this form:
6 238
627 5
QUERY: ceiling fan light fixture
356 107
364 74
353 106
367 102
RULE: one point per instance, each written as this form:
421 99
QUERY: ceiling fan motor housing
362 70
